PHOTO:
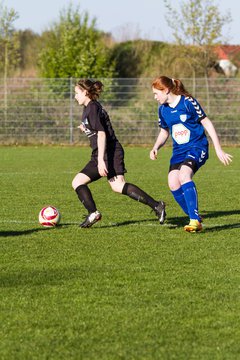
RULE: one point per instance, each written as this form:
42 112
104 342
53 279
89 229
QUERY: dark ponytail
93 88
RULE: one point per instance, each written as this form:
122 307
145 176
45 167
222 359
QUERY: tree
75 48
30 46
197 27
9 44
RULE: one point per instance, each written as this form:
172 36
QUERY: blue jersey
184 124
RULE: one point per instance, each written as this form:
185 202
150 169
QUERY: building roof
225 52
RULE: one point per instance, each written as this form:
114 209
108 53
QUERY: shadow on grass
171 222
215 214
7 233
42 277
221 227
181 221
125 223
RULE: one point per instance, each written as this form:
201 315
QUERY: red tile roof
226 51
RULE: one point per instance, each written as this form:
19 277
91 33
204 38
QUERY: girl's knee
184 178
173 187
74 184
174 184
117 184
80 179
116 189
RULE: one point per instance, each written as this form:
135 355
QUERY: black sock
137 194
85 196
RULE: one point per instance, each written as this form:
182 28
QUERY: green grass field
128 288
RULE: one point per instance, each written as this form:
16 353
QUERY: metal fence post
71 112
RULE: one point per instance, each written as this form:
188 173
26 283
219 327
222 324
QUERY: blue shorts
194 158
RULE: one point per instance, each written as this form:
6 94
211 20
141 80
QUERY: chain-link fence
41 111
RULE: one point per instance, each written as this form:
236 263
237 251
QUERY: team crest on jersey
183 117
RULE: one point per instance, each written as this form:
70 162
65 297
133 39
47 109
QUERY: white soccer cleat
91 219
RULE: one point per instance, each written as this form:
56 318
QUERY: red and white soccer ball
49 216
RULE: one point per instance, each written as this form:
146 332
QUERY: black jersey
94 119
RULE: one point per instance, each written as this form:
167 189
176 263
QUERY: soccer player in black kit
107 157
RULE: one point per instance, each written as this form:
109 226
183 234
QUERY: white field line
2 221
73 172
155 224
6 221
33 173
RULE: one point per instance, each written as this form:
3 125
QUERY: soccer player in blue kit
107 159
183 117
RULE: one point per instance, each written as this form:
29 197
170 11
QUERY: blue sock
191 198
180 199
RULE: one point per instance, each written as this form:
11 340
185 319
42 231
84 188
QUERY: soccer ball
49 216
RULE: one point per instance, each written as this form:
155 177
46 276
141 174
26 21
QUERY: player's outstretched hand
153 154
81 127
225 158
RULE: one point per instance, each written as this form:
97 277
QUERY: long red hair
175 86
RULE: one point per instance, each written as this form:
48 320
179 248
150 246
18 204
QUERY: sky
122 18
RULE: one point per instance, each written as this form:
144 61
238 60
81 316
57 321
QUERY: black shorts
188 162
114 161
